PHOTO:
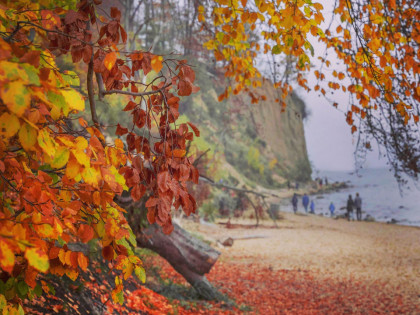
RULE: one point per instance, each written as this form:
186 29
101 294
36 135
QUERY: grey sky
329 140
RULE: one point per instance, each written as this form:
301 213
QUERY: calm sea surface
381 196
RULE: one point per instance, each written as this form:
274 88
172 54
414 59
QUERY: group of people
352 204
305 202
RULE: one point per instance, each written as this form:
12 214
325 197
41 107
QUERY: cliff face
254 144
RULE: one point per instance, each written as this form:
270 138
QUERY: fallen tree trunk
188 255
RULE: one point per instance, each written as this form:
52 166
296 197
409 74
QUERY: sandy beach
363 252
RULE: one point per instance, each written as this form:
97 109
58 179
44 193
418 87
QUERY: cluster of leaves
377 41
284 27
58 181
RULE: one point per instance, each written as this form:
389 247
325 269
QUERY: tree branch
91 93
135 94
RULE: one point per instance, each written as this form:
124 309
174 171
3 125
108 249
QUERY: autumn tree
59 174
377 41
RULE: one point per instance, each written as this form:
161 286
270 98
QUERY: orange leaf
83 261
86 233
157 63
110 60
179 153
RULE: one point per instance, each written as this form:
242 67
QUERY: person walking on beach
350 205
294 203
332 208
312 206
305 202
358 205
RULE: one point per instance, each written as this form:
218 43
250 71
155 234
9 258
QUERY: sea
382 197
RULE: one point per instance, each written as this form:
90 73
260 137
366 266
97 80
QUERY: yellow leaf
127 270
46 142
110 60
37 259
7 257
9 125
27 136
81 143
90 176
73 99
44 230
16 97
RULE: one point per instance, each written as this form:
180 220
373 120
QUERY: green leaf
277 49
22 289
140 273
32 73
3 302
61 157
120 296
71 78
59 101
132 238
51 288
38 290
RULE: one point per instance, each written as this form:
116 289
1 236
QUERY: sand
338 249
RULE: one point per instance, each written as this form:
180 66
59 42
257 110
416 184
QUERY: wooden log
188 255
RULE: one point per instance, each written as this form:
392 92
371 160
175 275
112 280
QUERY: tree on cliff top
59 175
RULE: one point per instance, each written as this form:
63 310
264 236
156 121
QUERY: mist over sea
381 196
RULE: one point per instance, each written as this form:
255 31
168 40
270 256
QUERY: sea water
382 197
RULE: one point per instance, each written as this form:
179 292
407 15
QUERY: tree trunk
188 255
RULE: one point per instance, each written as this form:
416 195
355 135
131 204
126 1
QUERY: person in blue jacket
332 208
305 202
312 206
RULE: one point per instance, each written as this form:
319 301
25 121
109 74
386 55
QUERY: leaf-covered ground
255 288
372 275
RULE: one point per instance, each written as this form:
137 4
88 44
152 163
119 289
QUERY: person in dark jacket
294 203
358 205
305 202
350 206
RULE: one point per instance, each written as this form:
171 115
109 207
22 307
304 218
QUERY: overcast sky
329 140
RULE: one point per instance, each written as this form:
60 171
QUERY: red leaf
151 202
115 13
86 233
108 252
129 106
123 34
120 130
195 129
163 181
137 192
